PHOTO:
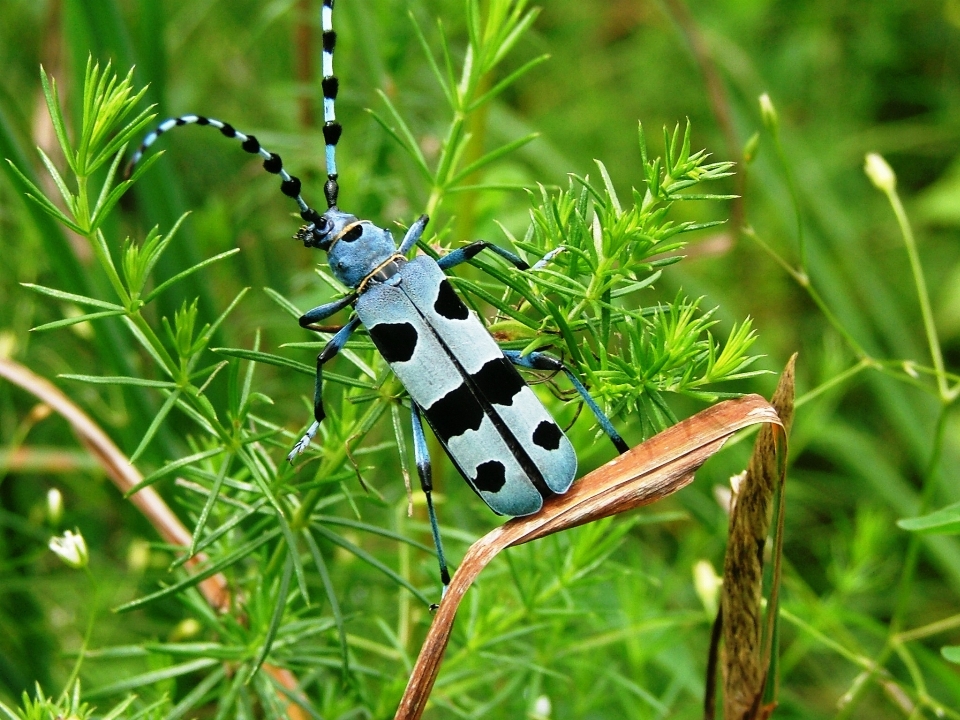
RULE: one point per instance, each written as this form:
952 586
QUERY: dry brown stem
746 646
647 473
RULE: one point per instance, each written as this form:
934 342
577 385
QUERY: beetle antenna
272 163
331 128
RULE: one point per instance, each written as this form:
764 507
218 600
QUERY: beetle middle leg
468 252
330 350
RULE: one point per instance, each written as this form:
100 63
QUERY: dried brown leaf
647 473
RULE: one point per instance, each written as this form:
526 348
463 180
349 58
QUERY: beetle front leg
322 312
413 234
330 350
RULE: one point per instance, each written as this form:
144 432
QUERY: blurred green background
630 640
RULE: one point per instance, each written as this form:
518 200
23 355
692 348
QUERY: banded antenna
331 128
272 163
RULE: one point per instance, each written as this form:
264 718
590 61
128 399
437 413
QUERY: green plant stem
833 382
934 628
926 497
803 280
923 296
905 584
794 198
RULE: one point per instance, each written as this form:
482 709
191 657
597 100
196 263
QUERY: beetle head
355 248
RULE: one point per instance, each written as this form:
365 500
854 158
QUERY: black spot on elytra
448 305
491 476
498 382
547 435
455 413
395 341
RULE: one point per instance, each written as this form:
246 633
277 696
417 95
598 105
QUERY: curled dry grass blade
126 477
649 472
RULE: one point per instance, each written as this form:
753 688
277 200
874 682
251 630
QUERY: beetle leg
422 455
542 361
330 350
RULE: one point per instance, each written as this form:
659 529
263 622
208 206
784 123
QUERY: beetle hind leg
422 455
542 361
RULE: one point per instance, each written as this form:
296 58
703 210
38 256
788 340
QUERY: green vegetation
177 335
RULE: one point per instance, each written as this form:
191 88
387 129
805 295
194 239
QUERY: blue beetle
494 428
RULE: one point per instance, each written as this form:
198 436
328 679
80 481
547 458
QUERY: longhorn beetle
494 428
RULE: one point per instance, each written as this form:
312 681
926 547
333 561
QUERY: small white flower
542 708
54 506
71 548
879 172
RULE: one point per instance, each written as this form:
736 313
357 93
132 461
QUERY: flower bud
707 584
769 113
54 507
879 172
71 548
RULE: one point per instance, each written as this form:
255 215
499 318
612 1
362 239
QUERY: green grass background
629 637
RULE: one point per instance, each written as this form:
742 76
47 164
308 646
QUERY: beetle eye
353 233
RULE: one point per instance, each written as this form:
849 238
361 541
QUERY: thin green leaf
186 273
149 678
608 185
441 81
68 197
493 156
299 367
280 300
75 320
222 530
951 653
197 694
945 521
277 615
172 466
72 298
118 380
151 431
208 505
225 562
37 196
370 560
507 82
331 596
411 142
